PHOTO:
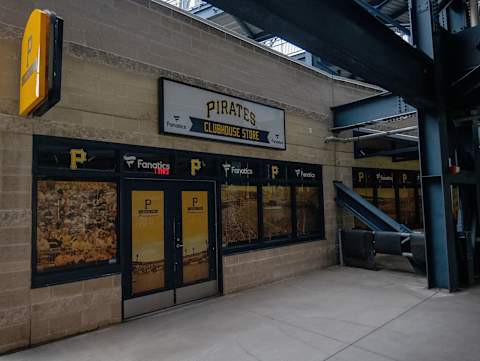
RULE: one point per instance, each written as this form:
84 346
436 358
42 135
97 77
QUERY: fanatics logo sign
300 173
129 160
139 164
232 170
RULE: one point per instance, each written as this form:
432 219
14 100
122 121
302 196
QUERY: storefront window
239 215
386 199
419 206
309 210
408 209
277 211
76 224
364 184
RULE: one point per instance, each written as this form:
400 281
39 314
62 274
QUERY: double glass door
171 257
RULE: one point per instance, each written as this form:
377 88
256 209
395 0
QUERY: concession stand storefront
164 218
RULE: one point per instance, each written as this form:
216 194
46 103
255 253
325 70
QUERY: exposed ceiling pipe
369 136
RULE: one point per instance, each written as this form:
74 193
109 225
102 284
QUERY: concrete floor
339 314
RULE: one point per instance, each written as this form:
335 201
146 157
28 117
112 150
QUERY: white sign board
196 112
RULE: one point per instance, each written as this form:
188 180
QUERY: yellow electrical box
34 62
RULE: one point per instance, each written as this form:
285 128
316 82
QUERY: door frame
129 184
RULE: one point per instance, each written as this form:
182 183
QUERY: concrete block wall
15 236
33 316
71 308
252 269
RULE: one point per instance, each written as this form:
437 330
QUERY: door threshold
172 308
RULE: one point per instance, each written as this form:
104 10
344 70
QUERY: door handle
179 245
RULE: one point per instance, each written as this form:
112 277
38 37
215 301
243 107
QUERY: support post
434 153
438 220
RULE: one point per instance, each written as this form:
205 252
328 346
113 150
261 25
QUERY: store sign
407 178
236 170
76 157
196 166
385 178
300 173
276 172
41 63
142 163
363 177
196 112
34 62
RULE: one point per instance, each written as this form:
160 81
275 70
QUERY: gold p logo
361 176
77 156
275 171
195 166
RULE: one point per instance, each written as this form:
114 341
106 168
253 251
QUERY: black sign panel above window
384 178
151 163
76 158
305 173
275 172
364 178
409 179
195 166
234 169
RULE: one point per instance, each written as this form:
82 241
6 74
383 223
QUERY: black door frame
172 195
213 246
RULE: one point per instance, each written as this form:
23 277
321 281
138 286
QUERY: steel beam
440 240
345 34
407 152
370 110
438 220
207 11
387 20
400 138
372 135
373 217
464 49
464 67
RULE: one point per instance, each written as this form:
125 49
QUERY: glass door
195 244
148 241
170 253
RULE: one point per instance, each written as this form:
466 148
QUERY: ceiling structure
393 13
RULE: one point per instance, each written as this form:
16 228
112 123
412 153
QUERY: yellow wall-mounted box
34 63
